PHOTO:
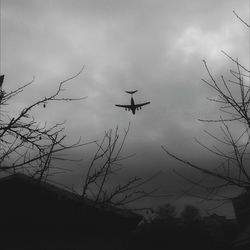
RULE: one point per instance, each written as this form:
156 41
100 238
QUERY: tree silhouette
166 212
27 145
190 214
105 165
233 100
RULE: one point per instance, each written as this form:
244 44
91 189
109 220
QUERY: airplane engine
126 109
140 107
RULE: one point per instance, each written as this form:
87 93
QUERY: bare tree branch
26 144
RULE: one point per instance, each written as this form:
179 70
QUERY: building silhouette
38 215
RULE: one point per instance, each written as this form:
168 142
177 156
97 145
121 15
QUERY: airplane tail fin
131 92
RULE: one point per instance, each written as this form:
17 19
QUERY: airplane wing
141 104
124 106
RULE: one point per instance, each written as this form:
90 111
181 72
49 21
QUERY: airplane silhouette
133 107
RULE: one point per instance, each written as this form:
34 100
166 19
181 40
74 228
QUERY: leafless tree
26 144
233 100
105 165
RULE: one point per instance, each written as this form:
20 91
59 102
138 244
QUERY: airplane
133 107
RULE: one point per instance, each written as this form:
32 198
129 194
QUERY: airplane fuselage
133 107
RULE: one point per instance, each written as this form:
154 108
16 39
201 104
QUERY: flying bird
133 107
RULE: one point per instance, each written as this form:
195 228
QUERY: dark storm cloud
156 47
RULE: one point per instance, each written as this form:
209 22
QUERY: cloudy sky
155 46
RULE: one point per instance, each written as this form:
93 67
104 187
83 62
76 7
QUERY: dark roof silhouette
69 195
33 211
15 188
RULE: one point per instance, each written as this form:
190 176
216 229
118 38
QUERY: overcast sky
155 46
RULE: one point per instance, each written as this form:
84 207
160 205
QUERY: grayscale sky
155 46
